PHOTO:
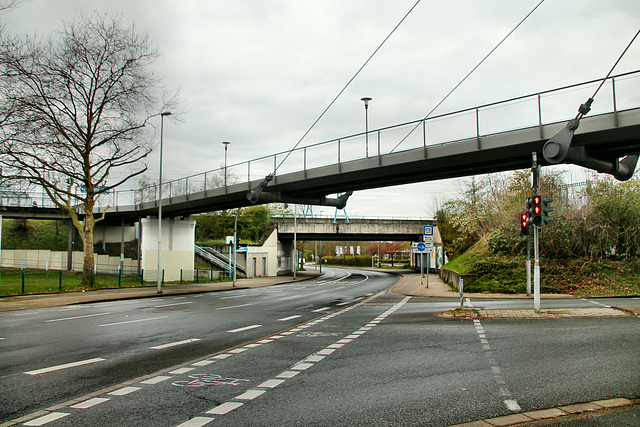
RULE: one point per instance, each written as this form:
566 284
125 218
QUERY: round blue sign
422 247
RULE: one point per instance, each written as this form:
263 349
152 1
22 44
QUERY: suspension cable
586 107
467 76
347 85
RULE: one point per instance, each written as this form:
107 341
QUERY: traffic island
462 313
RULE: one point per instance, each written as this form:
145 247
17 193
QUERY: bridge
489 138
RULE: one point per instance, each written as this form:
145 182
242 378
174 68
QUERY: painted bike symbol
201 380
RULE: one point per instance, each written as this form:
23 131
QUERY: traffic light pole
536 242
528 264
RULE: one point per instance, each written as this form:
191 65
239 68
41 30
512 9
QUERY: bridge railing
620 92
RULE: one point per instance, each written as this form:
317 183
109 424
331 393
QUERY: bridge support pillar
178 241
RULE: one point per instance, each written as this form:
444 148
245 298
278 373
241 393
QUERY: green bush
352 261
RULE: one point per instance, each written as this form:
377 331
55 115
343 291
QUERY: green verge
579 277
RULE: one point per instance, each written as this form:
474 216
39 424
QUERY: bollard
141 277
197 276
60 280
181 276
119 276
23 281
91 280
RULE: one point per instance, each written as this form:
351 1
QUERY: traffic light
545 210
524 224
535 211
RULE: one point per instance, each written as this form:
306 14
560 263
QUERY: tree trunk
87 241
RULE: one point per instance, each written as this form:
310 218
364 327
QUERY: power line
468 74
347 85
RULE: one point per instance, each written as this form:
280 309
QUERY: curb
558 414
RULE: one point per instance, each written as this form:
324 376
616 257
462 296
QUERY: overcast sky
258 73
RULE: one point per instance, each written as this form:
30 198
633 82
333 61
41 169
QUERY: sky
258 73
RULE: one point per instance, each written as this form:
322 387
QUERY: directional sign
428 230
421 247
427 239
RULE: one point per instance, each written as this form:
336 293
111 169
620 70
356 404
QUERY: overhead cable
347 85
468 74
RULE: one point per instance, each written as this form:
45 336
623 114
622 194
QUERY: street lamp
226 145
366 115
162 115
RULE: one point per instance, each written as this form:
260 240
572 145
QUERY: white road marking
512 405
171 305
181 371
271 383
134 321
124 391
321 309
233 306
302 366
203 363
65 366
173 344
89 403
179 298
196 422
46 419
314 358
238 350
234 296
225 408
288 374
246 328
76 317
155 380
222 356
250 395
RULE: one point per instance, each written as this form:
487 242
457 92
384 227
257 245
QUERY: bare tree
73 111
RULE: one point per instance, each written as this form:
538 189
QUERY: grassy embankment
580 277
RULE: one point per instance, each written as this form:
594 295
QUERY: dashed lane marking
76 317
64 366
173 304
46 419
225 408
197 422
134 321
124 391
284 319
174 344
233 306
245 328
89 403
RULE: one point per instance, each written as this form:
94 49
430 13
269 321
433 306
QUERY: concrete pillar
178 242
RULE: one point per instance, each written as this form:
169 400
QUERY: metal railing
534 110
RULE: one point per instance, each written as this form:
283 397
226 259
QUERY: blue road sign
421 247
428 230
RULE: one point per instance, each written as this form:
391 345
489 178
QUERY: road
337 350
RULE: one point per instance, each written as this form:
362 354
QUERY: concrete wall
178 241
263 260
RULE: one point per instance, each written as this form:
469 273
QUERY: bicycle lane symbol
201 380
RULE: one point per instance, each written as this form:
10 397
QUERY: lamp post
162 115
226 145
366 119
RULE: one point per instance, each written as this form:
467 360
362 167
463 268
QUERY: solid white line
284 319
196 422
124 391
76 317
170 305
89 403
65 366
45 419
321 309
134 321
173 344
233 306
246 328
224 408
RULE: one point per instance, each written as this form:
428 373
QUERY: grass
580 277
42 282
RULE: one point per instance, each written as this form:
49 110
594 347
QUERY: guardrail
538 109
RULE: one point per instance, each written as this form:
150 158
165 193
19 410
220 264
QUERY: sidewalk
412 284
25 302
409 284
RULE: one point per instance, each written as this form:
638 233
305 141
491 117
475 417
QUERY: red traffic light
524 220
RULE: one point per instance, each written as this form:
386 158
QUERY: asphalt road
330 351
